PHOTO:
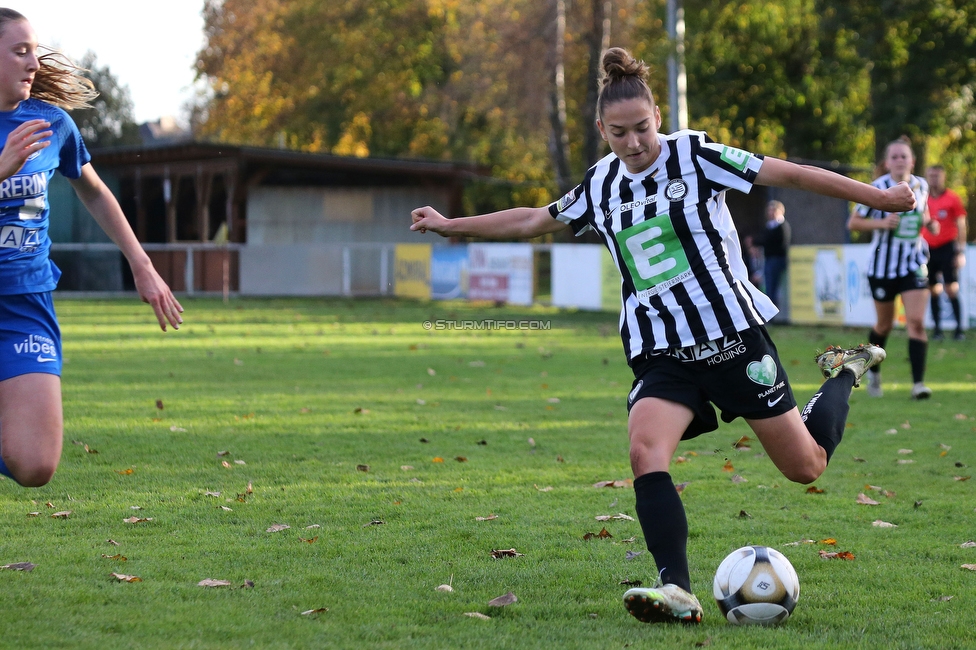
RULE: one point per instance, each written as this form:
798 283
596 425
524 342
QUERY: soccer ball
756 585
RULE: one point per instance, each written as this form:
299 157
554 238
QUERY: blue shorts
30 339
740 374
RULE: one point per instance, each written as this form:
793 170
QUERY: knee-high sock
916 356
881 341
936 301
955 311
662 519
826 413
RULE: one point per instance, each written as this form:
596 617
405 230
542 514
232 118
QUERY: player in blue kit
40 139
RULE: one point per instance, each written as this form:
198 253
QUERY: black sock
937 311
916 355
881 341
955 312
826 413
662 518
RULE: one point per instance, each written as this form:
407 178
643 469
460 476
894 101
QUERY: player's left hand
898 198
154 291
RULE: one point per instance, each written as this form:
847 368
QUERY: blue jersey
24 208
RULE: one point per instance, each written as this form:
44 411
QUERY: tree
109 122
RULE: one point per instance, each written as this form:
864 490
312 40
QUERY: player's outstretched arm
22 142
782 173
105 209
515 223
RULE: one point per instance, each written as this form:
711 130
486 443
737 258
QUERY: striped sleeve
727 167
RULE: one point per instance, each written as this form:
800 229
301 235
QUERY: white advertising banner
577 275
501 273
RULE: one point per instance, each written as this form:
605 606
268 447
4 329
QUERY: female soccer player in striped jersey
39 139
692 325
897 263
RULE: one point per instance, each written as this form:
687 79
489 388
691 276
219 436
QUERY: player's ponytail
58 80
624 77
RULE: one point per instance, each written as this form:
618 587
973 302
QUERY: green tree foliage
109 122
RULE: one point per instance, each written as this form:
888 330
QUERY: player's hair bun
619 64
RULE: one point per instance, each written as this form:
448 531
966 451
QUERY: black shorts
885 289
740 374
942 262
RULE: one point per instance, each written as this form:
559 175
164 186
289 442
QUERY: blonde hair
58 80
624 77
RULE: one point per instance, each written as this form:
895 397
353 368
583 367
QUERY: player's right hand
22 143
427 218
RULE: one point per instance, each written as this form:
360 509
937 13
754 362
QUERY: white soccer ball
756 585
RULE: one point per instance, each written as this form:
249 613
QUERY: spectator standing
775 242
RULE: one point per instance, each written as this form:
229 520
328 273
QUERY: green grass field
301 397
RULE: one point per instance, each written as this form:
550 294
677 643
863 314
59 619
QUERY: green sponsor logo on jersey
652 252
909 225
736 157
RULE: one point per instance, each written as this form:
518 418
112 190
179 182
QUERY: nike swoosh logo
41 359
773 402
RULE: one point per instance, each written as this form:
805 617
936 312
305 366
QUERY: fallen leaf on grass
478 615
858 459
33 514
548 488
362 468
800 541
865 500
744 515
632 554
842 555
49 504
498 554
615 484
969 544
226 509
175 428
461 459
159 404
629 540
488 518
502 601
124 472
437 459
248 584
221 454
275 528
360 411
742 443
813 489
19 566
118 556
830 541
64 514
121 577
940 599
727 467
960 478
211 582
739 479
225 464
135 507
680 487
906 451
112 542
310 541
406 468
137 520
680 459
971 567
619 515
444 588
90 450
877 523
603 534
239 462
631 583
375 522
960 416
904 461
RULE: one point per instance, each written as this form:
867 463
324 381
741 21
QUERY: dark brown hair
624 77
58 80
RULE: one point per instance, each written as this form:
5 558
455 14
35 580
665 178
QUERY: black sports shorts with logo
740 374
942 265
885 289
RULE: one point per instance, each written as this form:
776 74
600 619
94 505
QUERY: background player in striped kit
947 248
40 139
897 263
691 323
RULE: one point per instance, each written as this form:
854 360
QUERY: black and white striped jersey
900 252
671 236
